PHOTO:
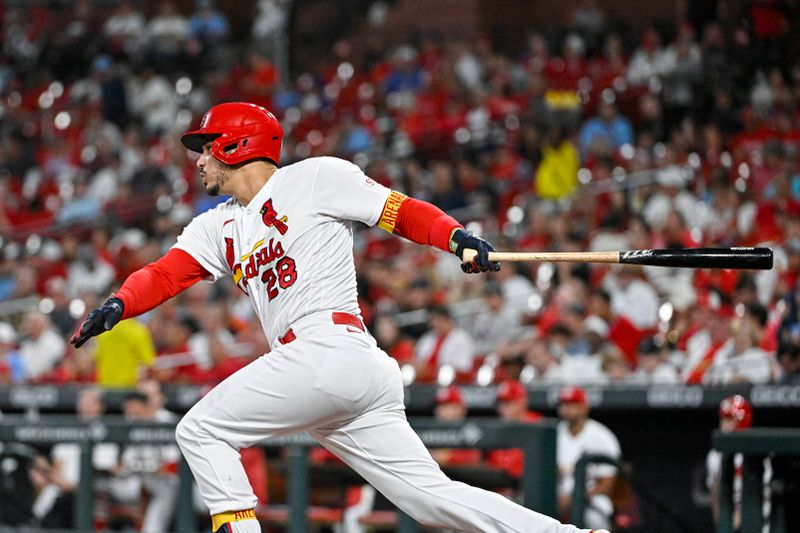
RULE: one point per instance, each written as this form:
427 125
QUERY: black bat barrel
738 258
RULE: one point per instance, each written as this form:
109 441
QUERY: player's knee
187 431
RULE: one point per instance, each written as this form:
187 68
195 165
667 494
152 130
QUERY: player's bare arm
604 486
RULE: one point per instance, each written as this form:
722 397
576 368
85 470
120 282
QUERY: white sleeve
202 239
341 190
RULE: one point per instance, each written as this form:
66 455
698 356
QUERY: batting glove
99 321
461 240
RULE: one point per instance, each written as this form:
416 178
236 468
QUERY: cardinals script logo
270 218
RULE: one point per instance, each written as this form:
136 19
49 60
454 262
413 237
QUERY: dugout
665 432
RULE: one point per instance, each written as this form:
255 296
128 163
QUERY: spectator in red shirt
392 340
770 20
182 366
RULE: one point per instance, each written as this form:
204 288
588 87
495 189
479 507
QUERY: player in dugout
286 238
578 435
512 406
735 414
450 407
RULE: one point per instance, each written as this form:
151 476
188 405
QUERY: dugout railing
419 399
537 483
782 447
641 501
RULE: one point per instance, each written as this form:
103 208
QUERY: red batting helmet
239 132
739 409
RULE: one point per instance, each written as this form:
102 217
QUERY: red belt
342 319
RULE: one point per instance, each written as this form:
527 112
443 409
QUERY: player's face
511 409
449 411
89 405
572 412
134 409
215 174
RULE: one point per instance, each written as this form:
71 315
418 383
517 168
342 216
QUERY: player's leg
389 455
381 446
284 392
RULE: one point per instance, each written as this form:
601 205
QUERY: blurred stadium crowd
584 139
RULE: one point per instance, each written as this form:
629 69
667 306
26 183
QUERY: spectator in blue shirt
606 132
208 29
208 25
12 367
406 74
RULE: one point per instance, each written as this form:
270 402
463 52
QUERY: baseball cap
572 395
449 395
718 303
737 408
509 391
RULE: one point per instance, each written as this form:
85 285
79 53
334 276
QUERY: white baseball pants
334 383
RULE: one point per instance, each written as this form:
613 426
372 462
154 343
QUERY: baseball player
286 238
735 414
578 435
450 407
512 406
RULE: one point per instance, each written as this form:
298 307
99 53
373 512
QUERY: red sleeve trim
159 281
419 221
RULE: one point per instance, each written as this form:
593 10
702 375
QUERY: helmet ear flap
224 148
232 149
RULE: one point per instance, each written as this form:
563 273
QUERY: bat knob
468 255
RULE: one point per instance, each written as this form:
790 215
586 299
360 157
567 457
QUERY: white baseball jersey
594 438
291 248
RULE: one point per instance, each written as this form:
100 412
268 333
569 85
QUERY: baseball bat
736 258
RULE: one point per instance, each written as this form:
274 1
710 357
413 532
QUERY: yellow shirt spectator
557 175
122 353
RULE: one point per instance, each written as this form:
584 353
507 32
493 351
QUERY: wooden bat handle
571 257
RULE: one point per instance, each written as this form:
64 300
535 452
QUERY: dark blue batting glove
99 321
462 240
